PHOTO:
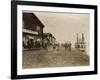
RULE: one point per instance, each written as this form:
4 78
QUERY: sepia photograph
54 39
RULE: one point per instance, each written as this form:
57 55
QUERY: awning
29 31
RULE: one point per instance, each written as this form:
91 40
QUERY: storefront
32 31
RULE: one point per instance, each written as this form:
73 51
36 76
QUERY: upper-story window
38 28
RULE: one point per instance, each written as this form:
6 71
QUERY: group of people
30 44
68 46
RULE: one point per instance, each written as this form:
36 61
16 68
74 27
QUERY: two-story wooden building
32 31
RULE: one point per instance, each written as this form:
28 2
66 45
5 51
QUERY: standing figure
29 44
66 46
70 46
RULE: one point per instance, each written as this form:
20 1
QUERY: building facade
32 31
49 41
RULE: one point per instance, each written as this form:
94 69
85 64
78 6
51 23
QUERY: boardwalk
61 58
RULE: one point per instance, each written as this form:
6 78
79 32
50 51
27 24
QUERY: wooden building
49 41
32 31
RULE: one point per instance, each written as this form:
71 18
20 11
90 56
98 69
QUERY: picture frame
21 8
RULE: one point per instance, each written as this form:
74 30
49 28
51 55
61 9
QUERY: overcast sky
65 26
